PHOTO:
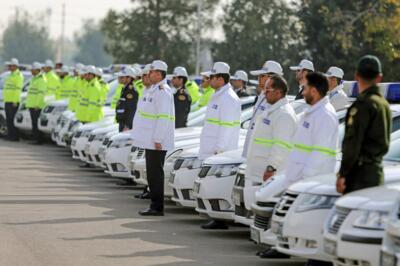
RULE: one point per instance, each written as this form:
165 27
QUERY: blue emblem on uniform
262 108
144 99
150 100
215 106
306 124
266 121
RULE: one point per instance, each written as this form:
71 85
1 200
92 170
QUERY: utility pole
198 37
60 50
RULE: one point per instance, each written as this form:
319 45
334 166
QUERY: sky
76 12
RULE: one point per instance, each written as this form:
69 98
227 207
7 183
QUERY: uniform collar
371 90
223 89
277 105
155 86
324 101
336 89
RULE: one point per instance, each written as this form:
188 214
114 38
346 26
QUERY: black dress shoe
272 254
151 212
213 224
144 195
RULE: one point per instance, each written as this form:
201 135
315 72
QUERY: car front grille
140 154
337 219
200 204
284 204
262 222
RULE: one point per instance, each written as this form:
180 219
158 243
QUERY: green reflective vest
53 84
12 87
139 86
117 95
66 87
83 102
36 92
74 94
193 89
104 91
205 98
95 107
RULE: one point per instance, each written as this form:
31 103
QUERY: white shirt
338 97
221 128
154 120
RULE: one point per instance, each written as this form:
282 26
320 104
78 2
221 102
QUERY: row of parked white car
308 220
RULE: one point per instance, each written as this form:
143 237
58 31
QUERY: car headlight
222 170
189 163
173 156
99 137
122 143
310 202
372 220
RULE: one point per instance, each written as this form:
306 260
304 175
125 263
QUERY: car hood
379 198
58 103
121 136
228 157
104 130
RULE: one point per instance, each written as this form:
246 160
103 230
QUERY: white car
306 205
186 169
390 250
50 114
81 135
62 135
354 230
139 165
118 155
95 141
213 187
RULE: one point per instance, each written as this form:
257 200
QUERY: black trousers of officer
37 135
155 177
11 109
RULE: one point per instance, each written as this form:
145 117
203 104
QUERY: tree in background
154 29
256 31
26 40
91 45
339 32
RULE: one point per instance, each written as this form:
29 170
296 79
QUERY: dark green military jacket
366 140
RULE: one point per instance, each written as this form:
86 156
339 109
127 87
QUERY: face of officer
205 82
301 76
262 80
127 80
146 80
89 76
177 82
121 80
237 83
216 82
332 82
310 94
155 76
35 71
46 69
12 68
272 94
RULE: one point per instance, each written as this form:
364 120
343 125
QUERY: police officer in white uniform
154 130
221 128
337 96
305 67
268 69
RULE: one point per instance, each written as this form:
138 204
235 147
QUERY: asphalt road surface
54 213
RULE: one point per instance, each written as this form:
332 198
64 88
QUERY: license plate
276 228
237 198
196 188
254 235
172 178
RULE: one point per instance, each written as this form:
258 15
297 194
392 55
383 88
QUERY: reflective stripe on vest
157 116
223 123
307 148
270 142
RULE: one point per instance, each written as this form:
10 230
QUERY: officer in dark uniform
367 134
238 82
182 99
127 104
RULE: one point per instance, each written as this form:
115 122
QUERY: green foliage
27 41
91 44
154 29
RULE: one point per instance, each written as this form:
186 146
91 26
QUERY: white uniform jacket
315 143
338 98
221 128
154 120
260 106
271 143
